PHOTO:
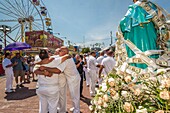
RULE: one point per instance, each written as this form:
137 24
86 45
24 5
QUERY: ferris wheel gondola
22 16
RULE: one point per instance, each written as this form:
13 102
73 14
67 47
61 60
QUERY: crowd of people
18 67
57 72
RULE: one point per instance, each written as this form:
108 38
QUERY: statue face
135 1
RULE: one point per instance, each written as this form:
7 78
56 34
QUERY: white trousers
63 99
9 81
74 88
93 78
49 97
87 77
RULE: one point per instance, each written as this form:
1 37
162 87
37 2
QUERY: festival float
140 81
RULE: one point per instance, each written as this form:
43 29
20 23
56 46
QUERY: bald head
110 53
77 57
101 53
64 48
57 51
63 51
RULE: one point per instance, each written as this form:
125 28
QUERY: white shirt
49 81
37 59
99 59
108 64
55 56
6 62
92 63
85 66
70 70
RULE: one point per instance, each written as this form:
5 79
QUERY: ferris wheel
20 16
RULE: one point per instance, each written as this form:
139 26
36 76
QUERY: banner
42 39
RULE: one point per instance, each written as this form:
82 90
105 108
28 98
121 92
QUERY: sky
86 22
82 22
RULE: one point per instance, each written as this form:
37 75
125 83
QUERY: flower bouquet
120 94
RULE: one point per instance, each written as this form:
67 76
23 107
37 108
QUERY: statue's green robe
140 30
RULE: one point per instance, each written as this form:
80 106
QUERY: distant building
96 49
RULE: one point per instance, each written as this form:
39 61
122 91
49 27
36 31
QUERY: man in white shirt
56 54
86 57
72 76
101 57
92 69
107 64
48 86
62 108
99 61
8 67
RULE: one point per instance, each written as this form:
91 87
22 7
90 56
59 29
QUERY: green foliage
85 50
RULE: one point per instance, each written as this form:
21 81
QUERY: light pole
84 41
111 38
5 29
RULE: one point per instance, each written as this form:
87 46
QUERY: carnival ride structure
22 16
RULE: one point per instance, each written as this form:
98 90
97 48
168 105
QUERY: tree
85 50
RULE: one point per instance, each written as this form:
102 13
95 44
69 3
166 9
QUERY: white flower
119 72
95 112
99 92
137 91
159 71
140 107
99 107
91 108
141 110
112 91
104 87
103 84
164 95
92 102
105 98
128 107
100 101
165 83
105 105
153 78
128 79
159 111
111 82
116 96
124 93
95 102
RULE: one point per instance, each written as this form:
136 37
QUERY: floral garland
118 94
128 89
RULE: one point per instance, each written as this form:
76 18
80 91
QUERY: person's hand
42 68
68 56
51 59
81 60
15 63
47 73
50 75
